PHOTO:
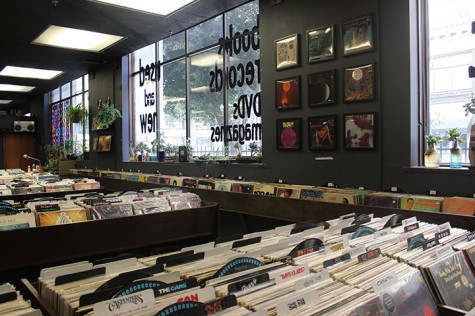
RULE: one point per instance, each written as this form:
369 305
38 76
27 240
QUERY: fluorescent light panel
150 6
5 101
66 37
34 73
15 88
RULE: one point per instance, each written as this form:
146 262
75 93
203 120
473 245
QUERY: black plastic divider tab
224 239
164 259
245 242
8 297
68 278
185 259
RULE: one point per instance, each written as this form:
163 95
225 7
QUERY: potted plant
470 108
454 136
170 150
141 148
106 114
77 114
158 145
431 156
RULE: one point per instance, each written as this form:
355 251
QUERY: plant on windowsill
431 156
142 149
106 114
455 156
77 114
158 145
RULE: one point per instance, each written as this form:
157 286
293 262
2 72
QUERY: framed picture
321 88
287 52
94 143
320 44
287 93
358 83
360 131
358 35
289 134
322 132
104 143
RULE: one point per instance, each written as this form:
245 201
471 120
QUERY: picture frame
95 141
287 52
322 133
321 88
320 44
358 35
360 131
358 83
287 93
289 134
104 143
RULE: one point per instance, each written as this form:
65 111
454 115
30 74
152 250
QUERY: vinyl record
288 137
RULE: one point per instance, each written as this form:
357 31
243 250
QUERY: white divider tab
409 221
297 302
443 251
382 233
383 282
291 274
311 280
443 227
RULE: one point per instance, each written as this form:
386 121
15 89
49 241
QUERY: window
72 137
205 87
451 50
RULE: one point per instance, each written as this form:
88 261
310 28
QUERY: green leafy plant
470 106
77 114
106 114
432 139
158 144
454 136
141 148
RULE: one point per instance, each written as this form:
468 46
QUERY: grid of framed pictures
357 85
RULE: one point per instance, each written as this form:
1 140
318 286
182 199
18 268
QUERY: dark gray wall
395 104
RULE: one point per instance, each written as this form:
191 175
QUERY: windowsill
445 170
230 164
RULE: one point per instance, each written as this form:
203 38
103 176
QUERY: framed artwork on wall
358 35
321 88
287 93
104 143
287 52
358 83
360 131
320 44
289 134
322 132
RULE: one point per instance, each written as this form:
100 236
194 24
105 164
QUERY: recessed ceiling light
35 73
66 37
149 6
15 88
5 101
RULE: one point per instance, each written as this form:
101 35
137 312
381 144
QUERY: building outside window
200 85
451 50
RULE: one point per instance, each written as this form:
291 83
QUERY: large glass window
68 134
451 50
206 89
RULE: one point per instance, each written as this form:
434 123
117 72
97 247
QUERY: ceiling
21 21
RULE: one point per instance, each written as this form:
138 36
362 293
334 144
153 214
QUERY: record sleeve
454 281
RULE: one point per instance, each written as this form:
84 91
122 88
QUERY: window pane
143 89
451 52
242 19
77 86
205 34
65 91
55 95
173 46
86 83
173 104
206 100
244 108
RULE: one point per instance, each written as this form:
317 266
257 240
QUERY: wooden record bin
27 250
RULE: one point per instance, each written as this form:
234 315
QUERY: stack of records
12 302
